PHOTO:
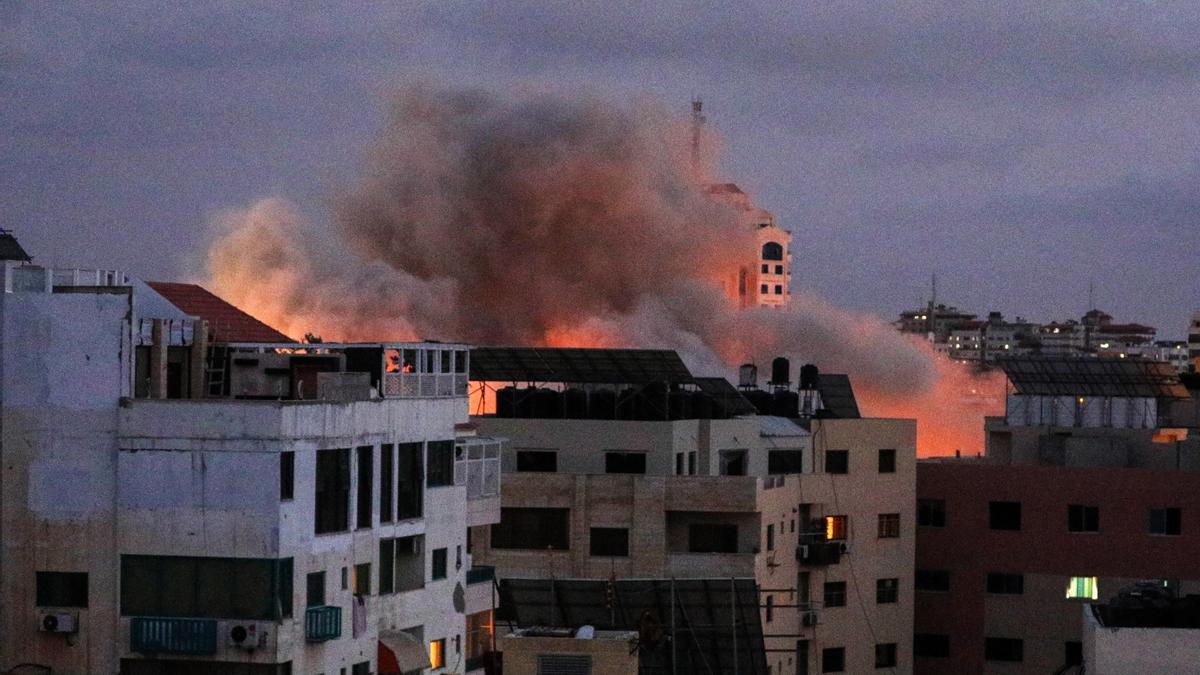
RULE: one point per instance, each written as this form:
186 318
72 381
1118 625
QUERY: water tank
702 406
679 402
525 399
653 404
628 404
748 375
602 405
781 372
786 403
547 404
808 376
762 401
575 404
506 402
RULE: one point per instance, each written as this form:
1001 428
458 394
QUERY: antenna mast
697 125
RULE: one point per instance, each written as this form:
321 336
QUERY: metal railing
322 623
166 635
424 385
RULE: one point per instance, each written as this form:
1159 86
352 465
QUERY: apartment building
181 496
1089 483
626 472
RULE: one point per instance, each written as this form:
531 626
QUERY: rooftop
227 323
1093 377
577 365
1149 605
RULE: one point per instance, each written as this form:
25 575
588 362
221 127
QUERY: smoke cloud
558 221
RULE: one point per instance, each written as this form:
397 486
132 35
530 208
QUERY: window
712 538
887 591
1083 588
543 461
733 462
1003 649
287 475
1073 653
315 596
537 529
1004 515
387 566
692 463
679 464
931 645
1005 583
62 589
763 289
766 268
362 579
778 289
387 469
931 513
345 579
365 477
835 594
611 542
837 461
206 587
438 564
885 655
770 537
889 525
409 483
624 462
770 608
785 461
361 668
887 462
779 269
1165 521
933 580
333 491
440 471
437 653
836 528
1083 518
833 660
772 251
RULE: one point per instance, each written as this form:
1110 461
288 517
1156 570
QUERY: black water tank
506 402
602 405
808 376
680 404
702 406
547 404
761 400
781 371
575 404
525 398
653 404
786 403
628 404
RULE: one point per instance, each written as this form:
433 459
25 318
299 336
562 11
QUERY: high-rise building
763 277
1194 341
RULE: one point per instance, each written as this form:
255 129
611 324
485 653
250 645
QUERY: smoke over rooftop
544 219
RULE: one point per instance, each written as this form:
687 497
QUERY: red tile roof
226 322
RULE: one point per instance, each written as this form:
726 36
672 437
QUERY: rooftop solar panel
574 365
1094 377
837 395
723 393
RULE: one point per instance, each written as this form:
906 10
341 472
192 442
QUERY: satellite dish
460 598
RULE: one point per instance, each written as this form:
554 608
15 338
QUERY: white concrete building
171 504
764 277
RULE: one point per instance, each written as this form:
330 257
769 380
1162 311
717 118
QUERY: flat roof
577 365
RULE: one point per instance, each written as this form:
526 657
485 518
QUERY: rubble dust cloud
543 219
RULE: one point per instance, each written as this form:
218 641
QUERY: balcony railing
479 574
322 623
164 635
824 553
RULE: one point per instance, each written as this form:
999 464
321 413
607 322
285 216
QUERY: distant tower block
764 277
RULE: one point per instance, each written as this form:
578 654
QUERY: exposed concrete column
158 359
581 539
199 358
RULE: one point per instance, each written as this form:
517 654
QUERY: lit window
1084 588
437 654
835 528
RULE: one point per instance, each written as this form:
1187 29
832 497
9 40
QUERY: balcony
479 574
162 635
322 623
819 554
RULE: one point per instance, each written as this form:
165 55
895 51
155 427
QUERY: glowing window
1084 588
437 654
835 528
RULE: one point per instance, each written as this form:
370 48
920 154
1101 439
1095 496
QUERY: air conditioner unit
810 618
245 636
58 622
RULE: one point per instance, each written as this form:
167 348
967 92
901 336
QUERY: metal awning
399 652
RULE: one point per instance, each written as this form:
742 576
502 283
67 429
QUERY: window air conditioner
58 622
810 618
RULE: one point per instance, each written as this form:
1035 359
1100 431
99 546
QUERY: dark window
545 461
438 570
779 269
610 542
785 461
333 491
1003 583
62 589
837 461
387 566
1003 649
624 462
778 289
440 471
1082 518
522 528
932 580
387 470
1165 521
835 594
766 268
764 289
887 463
931 513
1073 653
770 608
1004 515
409 483
287 475
362 579
712 538
315 589
770 537
772 251
679 464
204 587
733 462
885 655
931 645
889 525
345 579
833 660
692 463
361 668
887 591
365 477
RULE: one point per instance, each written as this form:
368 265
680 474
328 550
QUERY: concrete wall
1115 651
609 652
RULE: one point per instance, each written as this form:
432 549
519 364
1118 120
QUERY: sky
1020 151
